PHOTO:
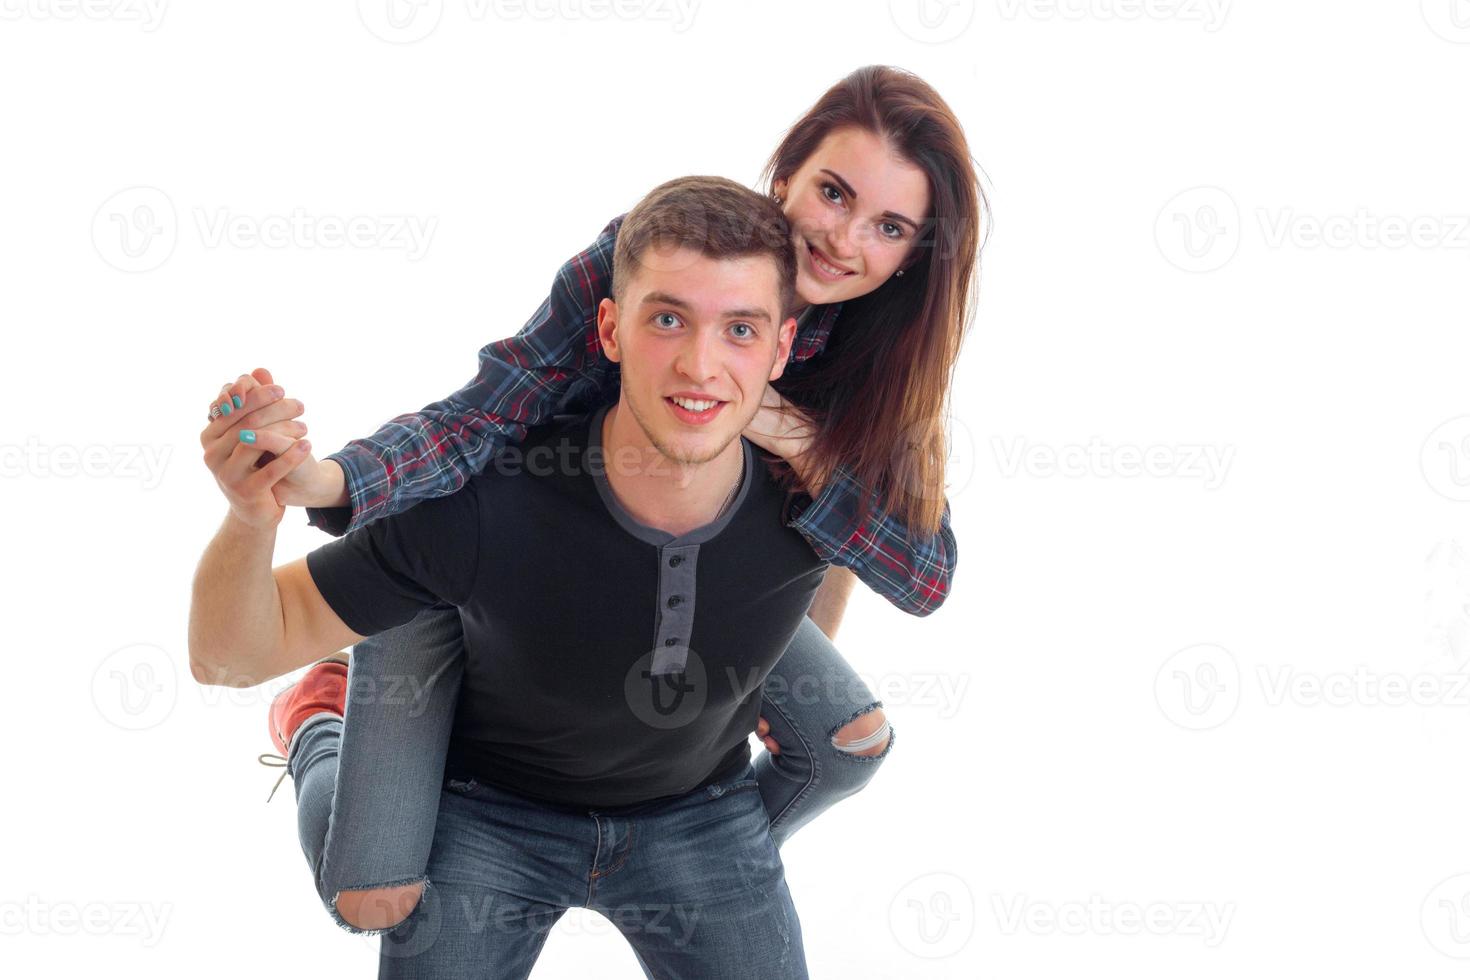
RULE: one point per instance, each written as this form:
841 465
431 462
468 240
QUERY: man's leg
697 886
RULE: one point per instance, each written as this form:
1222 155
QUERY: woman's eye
666 319
835 197
895 233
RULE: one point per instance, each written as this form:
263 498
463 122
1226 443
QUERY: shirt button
676 561
674 600
671 642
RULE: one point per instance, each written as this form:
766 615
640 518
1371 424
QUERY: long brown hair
879 393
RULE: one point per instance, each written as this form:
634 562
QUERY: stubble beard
674 454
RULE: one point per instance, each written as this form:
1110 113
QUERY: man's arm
248 622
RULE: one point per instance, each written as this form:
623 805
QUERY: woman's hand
763 732
253 447
782 428
312 482
315 483
256 404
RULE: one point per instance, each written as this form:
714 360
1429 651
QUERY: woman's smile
824 267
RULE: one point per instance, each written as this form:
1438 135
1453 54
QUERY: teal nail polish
247 435
225 408
239 402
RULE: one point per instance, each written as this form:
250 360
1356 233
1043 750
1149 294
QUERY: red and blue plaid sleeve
914 575
522 381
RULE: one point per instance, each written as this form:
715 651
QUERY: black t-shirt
608 663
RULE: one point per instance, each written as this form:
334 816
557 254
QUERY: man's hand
254 447
314 482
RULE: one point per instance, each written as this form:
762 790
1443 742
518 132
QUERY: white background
1171 694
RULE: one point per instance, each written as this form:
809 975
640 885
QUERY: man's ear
607 329
783 347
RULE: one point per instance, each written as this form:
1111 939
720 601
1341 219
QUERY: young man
626 582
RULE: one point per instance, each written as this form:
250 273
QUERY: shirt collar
654 535
812 330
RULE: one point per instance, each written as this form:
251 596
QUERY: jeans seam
627 851
816 765
596 854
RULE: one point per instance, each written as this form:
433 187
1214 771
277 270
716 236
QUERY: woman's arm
914 574
522 381
831 600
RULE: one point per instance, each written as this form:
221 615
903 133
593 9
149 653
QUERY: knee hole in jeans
378 908
866 735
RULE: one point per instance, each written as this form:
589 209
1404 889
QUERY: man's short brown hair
713 216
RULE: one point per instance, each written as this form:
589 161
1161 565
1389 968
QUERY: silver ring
215 412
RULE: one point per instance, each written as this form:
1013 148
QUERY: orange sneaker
322 690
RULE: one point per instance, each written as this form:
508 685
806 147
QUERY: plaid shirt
555 365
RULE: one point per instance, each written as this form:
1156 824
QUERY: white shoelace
275 762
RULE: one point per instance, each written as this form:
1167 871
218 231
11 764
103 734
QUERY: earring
776 198
899 272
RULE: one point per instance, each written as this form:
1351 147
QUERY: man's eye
744 326
666 319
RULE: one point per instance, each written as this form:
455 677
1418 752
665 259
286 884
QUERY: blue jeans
695 885
368 787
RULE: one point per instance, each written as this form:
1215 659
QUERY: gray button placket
676 574
678 558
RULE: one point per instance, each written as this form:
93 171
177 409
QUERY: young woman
880 189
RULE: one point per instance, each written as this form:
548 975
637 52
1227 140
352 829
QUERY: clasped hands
256 448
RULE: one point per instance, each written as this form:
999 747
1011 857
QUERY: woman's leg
831 731
368 784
